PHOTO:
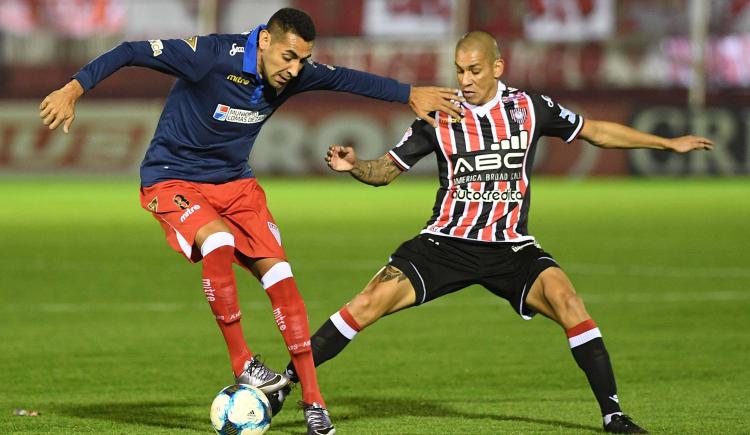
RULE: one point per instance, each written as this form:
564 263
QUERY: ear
264 39
499 67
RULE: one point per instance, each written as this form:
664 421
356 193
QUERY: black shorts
437 266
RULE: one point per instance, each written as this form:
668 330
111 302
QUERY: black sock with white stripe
330 339
589 352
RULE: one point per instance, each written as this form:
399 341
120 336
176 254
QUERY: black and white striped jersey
485 162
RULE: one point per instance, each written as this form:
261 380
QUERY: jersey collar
250 59
484 108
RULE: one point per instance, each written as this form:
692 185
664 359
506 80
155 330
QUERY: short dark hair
294 21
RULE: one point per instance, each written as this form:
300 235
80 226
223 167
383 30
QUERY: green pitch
103 329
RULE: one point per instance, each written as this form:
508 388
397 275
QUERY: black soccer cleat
257 375
621 423
318 421
276 400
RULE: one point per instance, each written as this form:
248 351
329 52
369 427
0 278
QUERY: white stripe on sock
275 274
343 327
216 240
584 337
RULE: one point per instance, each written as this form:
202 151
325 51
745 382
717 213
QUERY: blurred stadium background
104 330
665 66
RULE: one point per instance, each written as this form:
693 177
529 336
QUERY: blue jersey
219 102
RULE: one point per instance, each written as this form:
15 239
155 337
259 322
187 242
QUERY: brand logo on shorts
181 201
226 113
154 204
275 231
189 211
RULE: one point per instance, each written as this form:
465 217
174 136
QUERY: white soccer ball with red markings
240 410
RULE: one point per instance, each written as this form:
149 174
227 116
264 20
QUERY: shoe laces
256 369
316 416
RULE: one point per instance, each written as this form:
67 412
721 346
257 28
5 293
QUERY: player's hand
686 144
426 99
341 159
59 107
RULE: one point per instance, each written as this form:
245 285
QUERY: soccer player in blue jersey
478 230
195 177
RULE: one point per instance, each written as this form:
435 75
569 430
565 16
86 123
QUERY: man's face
477 75
282 56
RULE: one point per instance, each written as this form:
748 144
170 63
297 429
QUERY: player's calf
220 289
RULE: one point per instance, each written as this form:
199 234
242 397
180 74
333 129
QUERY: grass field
105 330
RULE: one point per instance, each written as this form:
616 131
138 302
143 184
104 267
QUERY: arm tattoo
389 273
376 172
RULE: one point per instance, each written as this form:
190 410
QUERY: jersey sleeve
418 141
555 120
189 59
318 76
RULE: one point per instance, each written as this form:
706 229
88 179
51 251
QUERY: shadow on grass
375 408
162 414
168 414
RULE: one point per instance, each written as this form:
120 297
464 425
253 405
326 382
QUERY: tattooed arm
377 172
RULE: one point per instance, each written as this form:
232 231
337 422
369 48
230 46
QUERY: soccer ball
240 410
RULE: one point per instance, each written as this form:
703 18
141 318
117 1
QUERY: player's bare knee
216 226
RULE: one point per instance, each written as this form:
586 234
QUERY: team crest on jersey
192 42
518 114
154 204
181 201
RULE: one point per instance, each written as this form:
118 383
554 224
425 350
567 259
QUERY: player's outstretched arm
426 99
59 107
613 135
379 172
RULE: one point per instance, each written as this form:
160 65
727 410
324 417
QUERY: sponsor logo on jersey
512 97
518 114
181 201
314 64
236 49
156 46
487 195
567 114
502 162
192 42
226 113
239 80
189 211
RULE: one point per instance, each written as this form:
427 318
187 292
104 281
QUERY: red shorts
183 207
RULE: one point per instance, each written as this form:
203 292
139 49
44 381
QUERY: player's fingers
452 95
56 122
46 111
49 119
452 110
68 123
44 103
430 120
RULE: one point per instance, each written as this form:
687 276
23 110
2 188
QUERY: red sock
220 288
291 318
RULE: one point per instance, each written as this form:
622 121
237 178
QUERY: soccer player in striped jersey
195 177
478 230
